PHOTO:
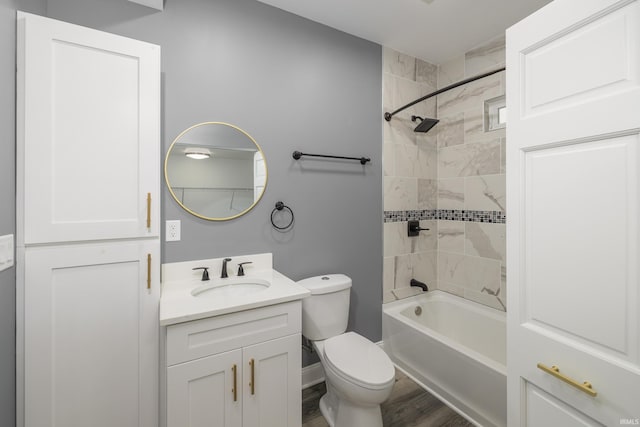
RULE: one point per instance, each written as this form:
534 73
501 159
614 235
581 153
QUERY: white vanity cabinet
238 369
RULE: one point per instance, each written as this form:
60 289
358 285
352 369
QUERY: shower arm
388 116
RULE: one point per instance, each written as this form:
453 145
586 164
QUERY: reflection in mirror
215 171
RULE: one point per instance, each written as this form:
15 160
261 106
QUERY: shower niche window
495 113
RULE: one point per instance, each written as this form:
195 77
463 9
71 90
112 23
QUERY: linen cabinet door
88 133
206 392
272 383
90 335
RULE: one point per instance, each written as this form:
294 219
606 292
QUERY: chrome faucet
224 274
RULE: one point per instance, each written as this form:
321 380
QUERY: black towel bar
363 160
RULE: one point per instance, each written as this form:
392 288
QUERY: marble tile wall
410 176
452 179
471 176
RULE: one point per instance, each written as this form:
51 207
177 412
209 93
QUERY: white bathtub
456 349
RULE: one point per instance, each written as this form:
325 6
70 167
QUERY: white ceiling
433 30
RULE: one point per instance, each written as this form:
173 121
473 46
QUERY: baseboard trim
312 375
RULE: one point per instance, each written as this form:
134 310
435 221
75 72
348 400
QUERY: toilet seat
359 361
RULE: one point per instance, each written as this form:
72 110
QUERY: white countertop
178 305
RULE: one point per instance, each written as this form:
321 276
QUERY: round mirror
215 171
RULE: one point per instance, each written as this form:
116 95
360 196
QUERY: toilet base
340 413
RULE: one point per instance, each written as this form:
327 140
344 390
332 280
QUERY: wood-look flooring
408 406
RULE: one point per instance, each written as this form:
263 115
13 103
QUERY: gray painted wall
292 85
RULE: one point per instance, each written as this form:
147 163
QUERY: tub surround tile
485 193
420 266
427 167
425 266
403 271
496 217
388 264
503 155
406 160
493 301
388 159
451 130
427 240
451 72
451 193
451 179
469 96
474 127
400 193
503 284
452 289
398 64
396 241
468 271
485 240
399 131
484 58
427 108
427 73
406 292
451 236
398 92
482 158
427 194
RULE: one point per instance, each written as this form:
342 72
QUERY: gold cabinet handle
252 384
234 390
148 271
148 210
555 371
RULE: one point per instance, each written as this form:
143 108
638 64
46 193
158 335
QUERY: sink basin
232 289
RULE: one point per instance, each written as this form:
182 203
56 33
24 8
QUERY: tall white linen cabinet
88 212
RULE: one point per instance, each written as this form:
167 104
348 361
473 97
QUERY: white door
91 335
88 133
206 392
272 383
573 135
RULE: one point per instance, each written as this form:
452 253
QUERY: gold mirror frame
192 212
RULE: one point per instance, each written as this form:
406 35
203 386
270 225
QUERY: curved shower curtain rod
388 116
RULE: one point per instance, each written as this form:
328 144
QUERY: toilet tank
326 312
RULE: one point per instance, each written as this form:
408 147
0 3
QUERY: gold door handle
148 271
234 390
148 210
252 384
555 371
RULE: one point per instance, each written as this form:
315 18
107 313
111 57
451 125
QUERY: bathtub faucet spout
418 284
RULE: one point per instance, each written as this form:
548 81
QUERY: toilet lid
359 360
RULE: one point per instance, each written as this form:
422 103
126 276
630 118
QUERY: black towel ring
280 206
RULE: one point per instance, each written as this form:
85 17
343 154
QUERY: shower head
425 124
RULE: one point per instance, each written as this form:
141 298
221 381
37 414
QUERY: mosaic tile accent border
497 217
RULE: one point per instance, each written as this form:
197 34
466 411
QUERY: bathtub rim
395 308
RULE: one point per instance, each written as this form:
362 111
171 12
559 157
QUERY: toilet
359 375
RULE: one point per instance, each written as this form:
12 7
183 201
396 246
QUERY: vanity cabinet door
90 335
272 383
206 392
88 134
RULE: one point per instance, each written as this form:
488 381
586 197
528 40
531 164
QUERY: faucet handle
241 268
205 273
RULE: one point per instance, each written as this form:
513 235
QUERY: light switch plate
6 252
172 231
